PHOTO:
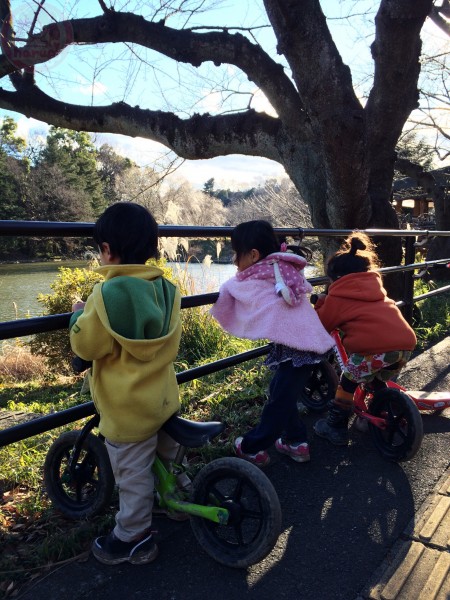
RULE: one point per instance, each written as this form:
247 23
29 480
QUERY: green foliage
76 155
208 187
10 143
203 338
415 149
70 285
432 314
111 167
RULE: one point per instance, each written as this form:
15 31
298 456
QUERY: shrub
70 285
432 314
203 338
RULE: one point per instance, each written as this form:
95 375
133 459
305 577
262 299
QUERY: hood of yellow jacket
136 305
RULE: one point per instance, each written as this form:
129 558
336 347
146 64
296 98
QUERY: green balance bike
234 509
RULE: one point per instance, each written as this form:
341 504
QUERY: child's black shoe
109 550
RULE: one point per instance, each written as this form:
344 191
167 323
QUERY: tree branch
325 87
182 46
396 53
201 136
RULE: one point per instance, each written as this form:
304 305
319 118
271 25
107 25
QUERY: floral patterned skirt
384 366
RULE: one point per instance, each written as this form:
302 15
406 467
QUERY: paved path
418 567
349 520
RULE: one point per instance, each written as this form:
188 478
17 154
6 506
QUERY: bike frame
359 397
170 496
423 400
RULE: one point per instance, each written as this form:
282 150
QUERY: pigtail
356 244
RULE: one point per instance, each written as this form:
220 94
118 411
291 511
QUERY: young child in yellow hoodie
130 328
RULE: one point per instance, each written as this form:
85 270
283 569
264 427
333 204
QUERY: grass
34 537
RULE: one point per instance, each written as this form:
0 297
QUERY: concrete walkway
418 567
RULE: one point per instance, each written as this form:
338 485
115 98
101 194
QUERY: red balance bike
389 412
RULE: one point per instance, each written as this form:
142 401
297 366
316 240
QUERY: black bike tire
397 405
323 370
208 534
102 487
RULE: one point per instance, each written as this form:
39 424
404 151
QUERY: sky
86 79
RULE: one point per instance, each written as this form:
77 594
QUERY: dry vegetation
17 363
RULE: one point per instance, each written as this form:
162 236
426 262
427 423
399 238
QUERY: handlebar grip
79 365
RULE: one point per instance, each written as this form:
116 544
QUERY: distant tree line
67 178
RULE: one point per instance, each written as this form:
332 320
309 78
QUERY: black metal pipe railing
25 327
68 229
64 417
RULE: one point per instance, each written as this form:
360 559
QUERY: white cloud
261 104
232 172
87 88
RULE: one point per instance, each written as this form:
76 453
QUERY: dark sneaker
109 550
260 459
336 435
298 452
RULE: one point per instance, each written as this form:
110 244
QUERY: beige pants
132 467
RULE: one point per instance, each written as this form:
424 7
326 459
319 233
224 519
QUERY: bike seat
191 433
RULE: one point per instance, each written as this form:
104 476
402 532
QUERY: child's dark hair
130 230
356 255
261 236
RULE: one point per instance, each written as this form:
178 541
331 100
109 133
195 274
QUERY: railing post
408 281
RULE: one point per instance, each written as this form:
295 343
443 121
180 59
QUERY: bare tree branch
181 45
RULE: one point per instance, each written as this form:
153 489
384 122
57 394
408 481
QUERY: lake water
20 284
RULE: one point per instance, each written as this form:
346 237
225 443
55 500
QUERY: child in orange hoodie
376 337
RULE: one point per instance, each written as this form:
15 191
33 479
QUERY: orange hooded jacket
357 304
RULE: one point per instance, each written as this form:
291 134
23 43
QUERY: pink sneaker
298 452
260 459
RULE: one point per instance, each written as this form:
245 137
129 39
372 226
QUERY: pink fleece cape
251 309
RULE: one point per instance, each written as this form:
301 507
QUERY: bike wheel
403 435
255 513
321 387
86 488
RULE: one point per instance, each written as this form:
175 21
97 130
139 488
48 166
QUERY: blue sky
85 77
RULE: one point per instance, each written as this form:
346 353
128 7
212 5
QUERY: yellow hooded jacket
130 328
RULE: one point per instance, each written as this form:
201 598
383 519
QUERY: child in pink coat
267 299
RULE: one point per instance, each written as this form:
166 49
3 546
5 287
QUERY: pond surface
20 284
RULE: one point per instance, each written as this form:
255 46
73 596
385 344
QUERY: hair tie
283 247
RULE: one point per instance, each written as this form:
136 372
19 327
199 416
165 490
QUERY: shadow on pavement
341 514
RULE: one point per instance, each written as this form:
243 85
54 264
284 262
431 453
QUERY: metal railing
25 327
